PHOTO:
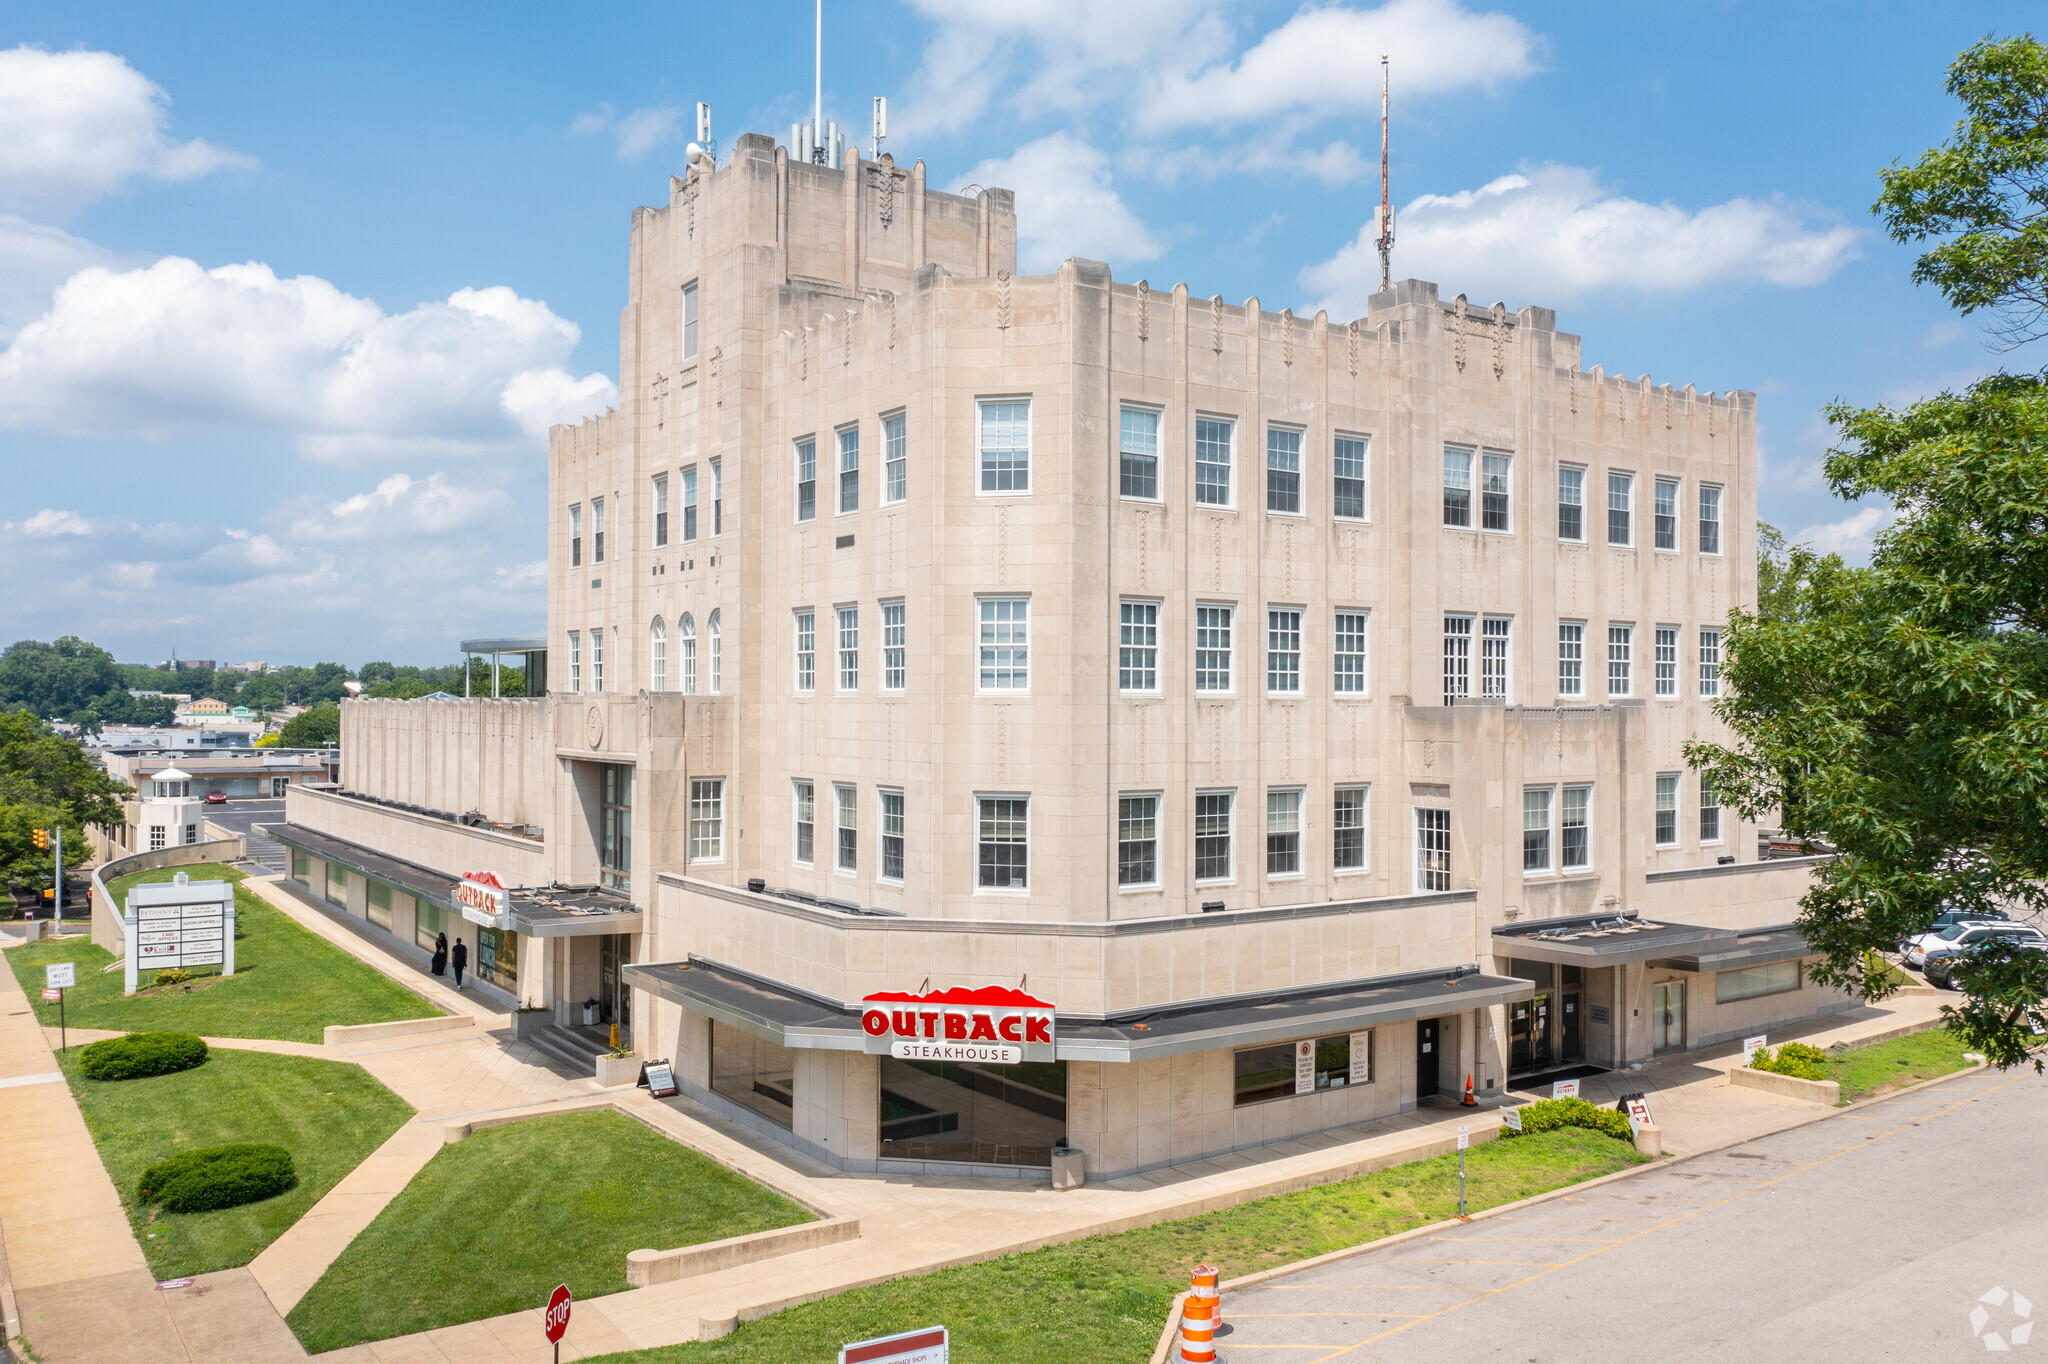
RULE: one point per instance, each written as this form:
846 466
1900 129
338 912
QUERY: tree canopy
47 781
319 727
76 681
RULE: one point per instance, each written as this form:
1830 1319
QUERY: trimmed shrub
141 1053
218 1177
173 975
1547 1115
1796 1059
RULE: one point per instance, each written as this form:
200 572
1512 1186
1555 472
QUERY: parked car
1915 949
1940 963
216 797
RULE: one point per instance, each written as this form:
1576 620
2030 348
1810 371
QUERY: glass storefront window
337 885
427 923
1270 1072
379 905
987 1115
301 867
755 1074
496 958
615 845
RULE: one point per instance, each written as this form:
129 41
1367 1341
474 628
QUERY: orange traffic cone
1469 1100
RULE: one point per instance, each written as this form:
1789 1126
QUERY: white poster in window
1305 1067
1361 1058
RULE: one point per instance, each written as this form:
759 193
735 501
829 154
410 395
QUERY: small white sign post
1752 1045
181 922
1464 1140
929 1346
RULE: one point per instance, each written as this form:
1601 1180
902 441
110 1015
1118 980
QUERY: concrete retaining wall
107 930
1827 1092
403 1027
644 1267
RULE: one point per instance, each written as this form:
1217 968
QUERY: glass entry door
614 998
1667 1016
1529 1032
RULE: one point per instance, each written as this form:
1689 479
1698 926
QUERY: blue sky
287 298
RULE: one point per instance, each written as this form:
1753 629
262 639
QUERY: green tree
1900 711
46 782
319 727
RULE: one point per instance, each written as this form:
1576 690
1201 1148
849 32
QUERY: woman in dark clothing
440 954
459 958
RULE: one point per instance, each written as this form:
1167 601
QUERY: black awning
1752 947
1604 939
778 1013
434 887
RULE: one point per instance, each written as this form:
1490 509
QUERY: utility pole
818 83
59 897
1386 213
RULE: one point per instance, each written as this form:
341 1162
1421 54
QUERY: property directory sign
182 923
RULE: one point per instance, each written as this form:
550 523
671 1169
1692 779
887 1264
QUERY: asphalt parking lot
242 817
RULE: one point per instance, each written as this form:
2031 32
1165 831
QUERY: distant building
252 669
202 711
237 771
145 736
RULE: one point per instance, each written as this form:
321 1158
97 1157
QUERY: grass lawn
1903 1061
288 983
328 1114
1104 1300
1881 969
494 1222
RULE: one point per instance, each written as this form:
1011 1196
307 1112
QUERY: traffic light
42 838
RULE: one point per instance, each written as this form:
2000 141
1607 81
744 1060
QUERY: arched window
686 632
657 655
717 659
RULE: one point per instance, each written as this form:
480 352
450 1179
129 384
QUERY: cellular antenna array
1385 218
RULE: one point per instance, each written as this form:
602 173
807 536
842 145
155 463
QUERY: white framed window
849 468
1137 840
1493 656
158 833
575 660
1005 443
894 634
891 802
1535 830
576 537
1571 503
1496 468
1667 809
1710 518
192 834
1621 491
804 812
1005 643
1664 513
690 320
1212 648
806 479
806 650
690 505
1137 651
849 648
895 458
597 660
1432 849
597 530
1347 828
1215 439
845 827
1749 982
1574 829
1283 469
1710 663
1283 832
657 655
1458 486
1283 651
1347 464
686 638
1710 811
1457 656
1212 835
1138 453
1002 842
1571 658
711 629
707 819
1667 660
660 510
1621 648
1347 652
717 497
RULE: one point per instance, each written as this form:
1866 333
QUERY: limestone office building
1289 710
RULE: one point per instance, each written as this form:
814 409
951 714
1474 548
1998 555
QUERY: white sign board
483 898
1361 1058
1511 1118
912 1347
1464 1136
1565 1089
1638 1115
1305 1067
1751 1046
182 923
60 975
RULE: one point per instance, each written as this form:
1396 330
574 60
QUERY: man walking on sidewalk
458 958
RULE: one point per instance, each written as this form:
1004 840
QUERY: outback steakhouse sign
993 1025
483 897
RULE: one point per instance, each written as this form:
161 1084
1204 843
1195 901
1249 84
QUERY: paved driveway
1870 1235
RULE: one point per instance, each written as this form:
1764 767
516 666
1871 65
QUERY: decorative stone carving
1003 300
1287 336
1500 338
1216 323
716 364
1144 310
1351 348
883 176
593 725
1458 332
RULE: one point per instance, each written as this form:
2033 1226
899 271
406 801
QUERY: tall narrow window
806 479
1710 519
1667 809
1535 829
1212 648
1137 656
686 636
1710 811
1347 462
575 660
1005 643
597 660
1620 508
1347 653
1006 446
1283 833
849 648
1212 835
1457 657
846 828
717 654
657 655
1213 439
1573 835
806 651
805 802
893 633
895 458
615 835
597 530
1137 840
1432 849
660 510
1457 486
690 505
1571 502
576 537
1666 513
707 818
1494 469
1493 656
717 497
1571 658
1621 646
1710 663
1283 469
1347 829
1283 652
690 320
849 468
1002 843
1667 660
892 835
1138 453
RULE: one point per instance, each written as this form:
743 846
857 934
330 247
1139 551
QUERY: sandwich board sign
180 922
911 1347
1565 1089
1638 1115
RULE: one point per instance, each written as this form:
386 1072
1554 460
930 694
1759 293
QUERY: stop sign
557 1319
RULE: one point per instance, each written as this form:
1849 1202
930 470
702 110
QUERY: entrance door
1667 1016
1426 1053
614 999
1570 1050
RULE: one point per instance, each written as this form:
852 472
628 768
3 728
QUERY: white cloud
77 126
1066 205
34 260
51 521
399 506
1851 537
637 133
1942 334
173 348
1551 233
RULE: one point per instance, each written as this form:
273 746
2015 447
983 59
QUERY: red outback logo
482 893
993 1024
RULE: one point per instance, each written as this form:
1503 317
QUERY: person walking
440 967
459 958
